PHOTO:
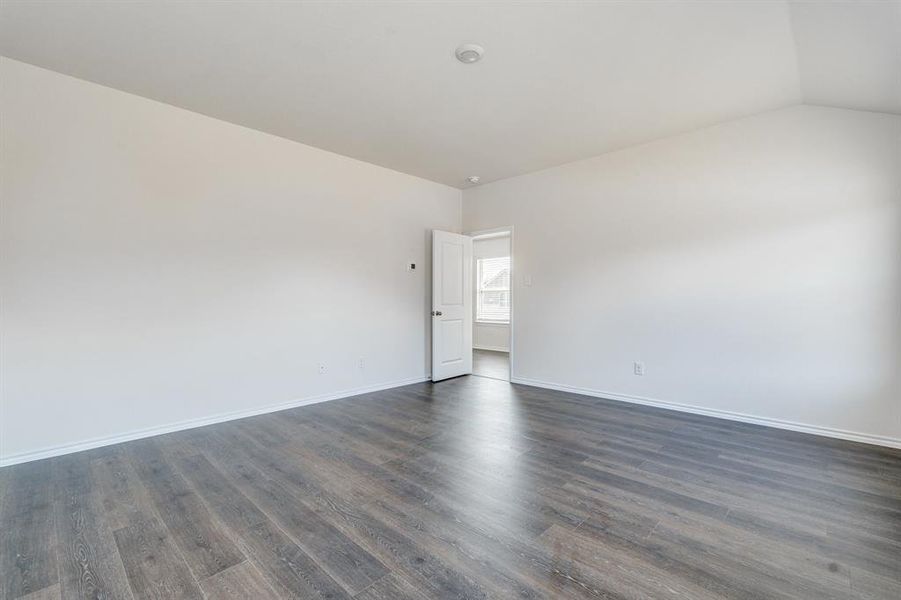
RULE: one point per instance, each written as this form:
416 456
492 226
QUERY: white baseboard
722 414
492 348
200 422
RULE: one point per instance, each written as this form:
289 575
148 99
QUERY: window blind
493 293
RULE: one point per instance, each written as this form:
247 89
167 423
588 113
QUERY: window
493 293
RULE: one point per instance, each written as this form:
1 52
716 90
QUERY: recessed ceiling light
469 53
473 179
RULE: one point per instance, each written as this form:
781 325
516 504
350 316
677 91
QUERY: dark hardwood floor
489 363
470 488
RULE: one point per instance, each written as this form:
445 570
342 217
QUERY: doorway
492 288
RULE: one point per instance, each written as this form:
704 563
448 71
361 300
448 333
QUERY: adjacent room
492 305
448 299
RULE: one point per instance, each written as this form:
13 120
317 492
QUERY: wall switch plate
638 367
361 364
527 280
322 369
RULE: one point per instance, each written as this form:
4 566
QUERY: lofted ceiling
560 81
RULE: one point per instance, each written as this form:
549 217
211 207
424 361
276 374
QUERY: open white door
451 305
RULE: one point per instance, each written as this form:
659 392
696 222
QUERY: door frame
505 229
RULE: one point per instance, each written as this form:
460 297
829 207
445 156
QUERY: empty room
402 300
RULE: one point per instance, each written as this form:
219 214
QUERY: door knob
436 313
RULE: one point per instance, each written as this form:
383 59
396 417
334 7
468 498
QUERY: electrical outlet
322 369
638 367
361 364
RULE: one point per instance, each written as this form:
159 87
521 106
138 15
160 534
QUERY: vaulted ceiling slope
558 82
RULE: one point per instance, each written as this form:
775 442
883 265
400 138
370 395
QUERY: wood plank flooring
489 363
470 488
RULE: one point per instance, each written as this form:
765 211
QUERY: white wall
489 336
159 266
755 268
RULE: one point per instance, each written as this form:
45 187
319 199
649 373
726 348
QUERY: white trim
841 434
487 234
199 422
492 348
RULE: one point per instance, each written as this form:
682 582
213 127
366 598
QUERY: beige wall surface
160 267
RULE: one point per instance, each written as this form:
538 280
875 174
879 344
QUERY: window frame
479 290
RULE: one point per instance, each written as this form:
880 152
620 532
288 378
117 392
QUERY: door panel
451 305
451 274
451 341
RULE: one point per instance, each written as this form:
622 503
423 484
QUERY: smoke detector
473 179
469 53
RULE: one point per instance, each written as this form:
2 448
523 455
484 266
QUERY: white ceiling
559 81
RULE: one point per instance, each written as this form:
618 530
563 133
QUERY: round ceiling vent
469 53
